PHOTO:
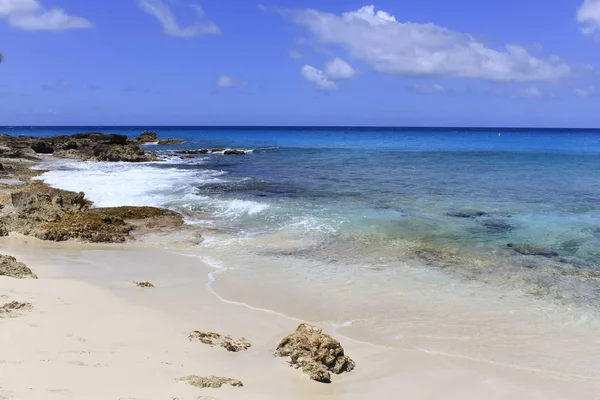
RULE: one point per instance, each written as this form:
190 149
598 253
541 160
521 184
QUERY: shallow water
353 225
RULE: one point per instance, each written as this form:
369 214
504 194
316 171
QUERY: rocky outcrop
214 382
466 213
529 250
147 137
170 141
234 152
9 266
42 148
126 153
214 339
200 151
89 225
317 353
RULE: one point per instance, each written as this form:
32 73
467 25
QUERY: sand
93 334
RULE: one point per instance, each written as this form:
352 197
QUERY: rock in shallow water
497 225
529 250
466 213
315 352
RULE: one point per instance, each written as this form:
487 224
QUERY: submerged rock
147 137
216 339
497 225
317 353
529 250
234 152
466 213
214 382
9 266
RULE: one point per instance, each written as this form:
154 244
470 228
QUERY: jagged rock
89 225
234 152
528 250
315 352
466 213
147 137
145 285
135 213
170 141
14 308
201 151
9 266
215 339
214 382
42 148
127 153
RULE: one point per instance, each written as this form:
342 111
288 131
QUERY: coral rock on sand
144 284
529 250
213 382
88 225
215 339
466 213
315 352
13 309
9 266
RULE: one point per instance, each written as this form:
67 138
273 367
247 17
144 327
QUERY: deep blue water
371 194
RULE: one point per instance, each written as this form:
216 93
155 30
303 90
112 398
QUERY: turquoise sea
366 218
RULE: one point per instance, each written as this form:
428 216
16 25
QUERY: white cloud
588 15
225 81
163 13
339 69
428 89
318 77
32 16
586 92
533 92
412 49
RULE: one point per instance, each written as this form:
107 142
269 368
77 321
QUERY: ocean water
356 225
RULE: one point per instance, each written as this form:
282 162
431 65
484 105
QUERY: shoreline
75 279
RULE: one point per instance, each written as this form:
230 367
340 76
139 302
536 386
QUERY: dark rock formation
147 137
170 141
9 266
466 213
214 339
42 148
528 250
497 225
201 151
317 353
214 382
234 152
145 285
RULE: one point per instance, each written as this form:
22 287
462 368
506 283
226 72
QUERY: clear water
353 225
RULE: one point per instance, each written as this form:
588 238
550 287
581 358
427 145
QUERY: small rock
42 148
215 339
214 382
9 266
315 352
147 137
14 308
170 141
144 284
529 250
466 213
234 152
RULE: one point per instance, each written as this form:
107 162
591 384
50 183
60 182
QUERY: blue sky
292 62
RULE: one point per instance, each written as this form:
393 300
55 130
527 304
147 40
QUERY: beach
420 287
93 334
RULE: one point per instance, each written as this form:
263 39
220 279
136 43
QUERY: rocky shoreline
32 208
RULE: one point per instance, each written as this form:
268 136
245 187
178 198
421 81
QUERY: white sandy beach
92 334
